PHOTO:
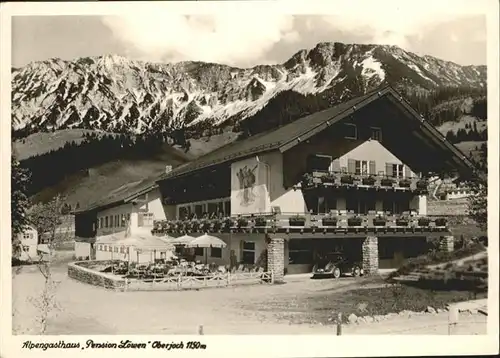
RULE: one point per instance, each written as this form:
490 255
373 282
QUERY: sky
237 39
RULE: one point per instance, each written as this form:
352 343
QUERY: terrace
379 181
337 222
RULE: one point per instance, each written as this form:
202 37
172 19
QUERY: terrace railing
335 221
182 282
378 182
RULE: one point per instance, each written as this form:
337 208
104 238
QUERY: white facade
138 214
29 244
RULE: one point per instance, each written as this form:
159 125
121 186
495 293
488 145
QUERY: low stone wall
79 271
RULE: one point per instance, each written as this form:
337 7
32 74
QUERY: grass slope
88 186
43 142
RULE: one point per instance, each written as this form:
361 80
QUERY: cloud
250 36
226 38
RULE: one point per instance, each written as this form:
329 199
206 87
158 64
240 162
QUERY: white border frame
296 346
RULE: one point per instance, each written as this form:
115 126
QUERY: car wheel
336 272
356 271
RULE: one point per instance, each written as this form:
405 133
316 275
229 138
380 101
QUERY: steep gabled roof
267 141
121 195
287 136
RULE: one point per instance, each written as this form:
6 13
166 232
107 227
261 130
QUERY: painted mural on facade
249 193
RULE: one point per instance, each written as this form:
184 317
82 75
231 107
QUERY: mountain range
115 94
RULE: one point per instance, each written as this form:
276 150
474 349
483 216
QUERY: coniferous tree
20 202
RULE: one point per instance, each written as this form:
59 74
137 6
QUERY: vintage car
333 265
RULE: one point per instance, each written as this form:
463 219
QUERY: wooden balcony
363 181
337 222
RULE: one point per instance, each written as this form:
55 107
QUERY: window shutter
388 169
351 165
336 165
407 172
371 169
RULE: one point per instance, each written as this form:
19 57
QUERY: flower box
297 221
440 222
328 178
424 221
242 222
228 223
217 225
347 179
195 226
368 180
355 221
402 222
180 226
387 182
206 226
422 184
405 183
330 221
260 221
379 221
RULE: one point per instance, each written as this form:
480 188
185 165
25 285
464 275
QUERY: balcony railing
334 222
379 182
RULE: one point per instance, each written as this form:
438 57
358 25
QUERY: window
122 250
111 221
366 204
198 251
146 219
397 171
198 210
248 254
361 167
183 212
27 236
351 131
101 223
106 221
115 249
227 208
26 248
325 204
213 208
117 220
376 134
401 205
388 205
216 252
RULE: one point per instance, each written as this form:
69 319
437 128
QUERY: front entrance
304 253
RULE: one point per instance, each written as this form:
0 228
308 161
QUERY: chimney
168 169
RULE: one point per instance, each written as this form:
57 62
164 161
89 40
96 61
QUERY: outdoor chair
240 268
233 270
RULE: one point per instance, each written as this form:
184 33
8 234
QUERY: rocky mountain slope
112 93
